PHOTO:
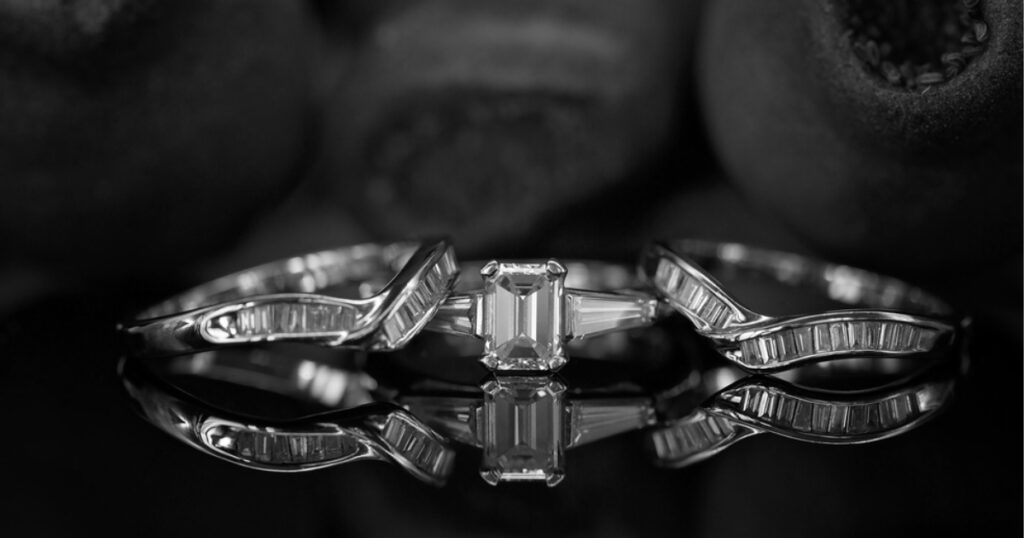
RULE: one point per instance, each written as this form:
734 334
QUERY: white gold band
401 285
891 318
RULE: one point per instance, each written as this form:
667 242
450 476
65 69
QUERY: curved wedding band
894 318
277 302
368 431
526 311
524 424
758 404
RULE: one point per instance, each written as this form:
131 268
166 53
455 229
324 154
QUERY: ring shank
394 289
309 273
841 283
880 316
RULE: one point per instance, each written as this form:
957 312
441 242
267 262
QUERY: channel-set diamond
791 344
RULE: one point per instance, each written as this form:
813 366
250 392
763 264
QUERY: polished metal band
526 311
524 424
278 302
367 431
893 318
758 404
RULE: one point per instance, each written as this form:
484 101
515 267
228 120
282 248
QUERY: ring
526 311
367 430
759 404
895 318
277 302
524 424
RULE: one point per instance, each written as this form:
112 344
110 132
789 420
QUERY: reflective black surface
79 460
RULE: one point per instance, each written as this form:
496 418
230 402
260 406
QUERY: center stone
522 316
522 429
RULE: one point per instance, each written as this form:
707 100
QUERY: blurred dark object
484 118
136 134
919 172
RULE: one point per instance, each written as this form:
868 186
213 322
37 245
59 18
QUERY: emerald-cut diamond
522 316
521 426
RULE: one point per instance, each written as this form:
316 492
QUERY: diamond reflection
521 426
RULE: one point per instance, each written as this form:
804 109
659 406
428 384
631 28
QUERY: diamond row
690 437
286 318
433 287
691 295
421 449
828 418
291 448
812 340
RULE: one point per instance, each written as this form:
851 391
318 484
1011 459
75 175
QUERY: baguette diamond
282 318
278 448
799 343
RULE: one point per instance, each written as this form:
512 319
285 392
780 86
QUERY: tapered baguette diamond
597 313
600 419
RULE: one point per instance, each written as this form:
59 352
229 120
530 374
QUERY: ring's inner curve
838 283
366 267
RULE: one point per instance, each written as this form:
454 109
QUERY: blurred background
146 145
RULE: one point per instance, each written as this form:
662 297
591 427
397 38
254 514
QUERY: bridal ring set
737 372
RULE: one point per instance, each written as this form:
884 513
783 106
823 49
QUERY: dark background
146 145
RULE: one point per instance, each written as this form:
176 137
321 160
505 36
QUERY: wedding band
894 318
277 302
524 424
366 431
758 404
526 311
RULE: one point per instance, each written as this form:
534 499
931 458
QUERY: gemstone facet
521 426
522 316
